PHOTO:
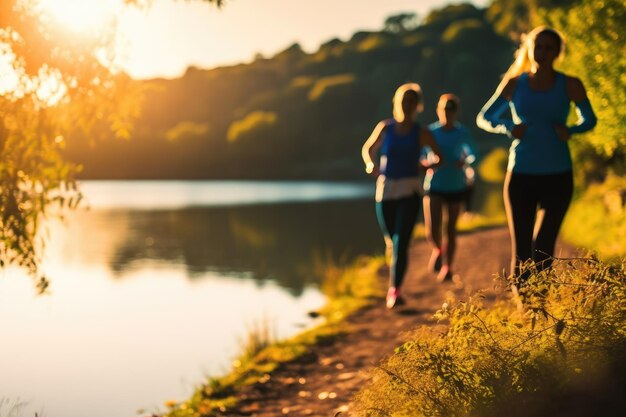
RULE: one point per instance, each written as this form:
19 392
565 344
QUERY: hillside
301 115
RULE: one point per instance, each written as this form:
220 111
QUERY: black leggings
397 219
524 194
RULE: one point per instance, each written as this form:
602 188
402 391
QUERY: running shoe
394 298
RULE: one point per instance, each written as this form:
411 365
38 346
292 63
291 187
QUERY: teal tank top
540 151
454 145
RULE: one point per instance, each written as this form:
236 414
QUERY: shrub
323 85
255 121
493 167
598 219
186 130
564 353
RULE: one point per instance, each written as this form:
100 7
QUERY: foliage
323 85
510 17
460 30
400 22
372 42
597 220
54 86
46 96
441 18
325 102
259 336
596 53
185 130
493 166
254 120
563 354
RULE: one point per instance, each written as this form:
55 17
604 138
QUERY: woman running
539 173
446 185
399 141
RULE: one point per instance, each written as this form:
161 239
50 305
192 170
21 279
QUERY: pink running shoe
394 298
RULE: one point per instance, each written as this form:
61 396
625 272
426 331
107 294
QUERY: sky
173 35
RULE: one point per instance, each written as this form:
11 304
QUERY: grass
348 289
479 222
597 219
562 354
563 349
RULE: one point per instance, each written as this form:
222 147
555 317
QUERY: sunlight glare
50 88
9 77
81 15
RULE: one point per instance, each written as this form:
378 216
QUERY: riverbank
327 365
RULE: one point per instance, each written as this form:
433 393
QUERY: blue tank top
454 145
540 151
399 154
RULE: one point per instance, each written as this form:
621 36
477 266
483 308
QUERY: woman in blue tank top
538 186
391 154
446 186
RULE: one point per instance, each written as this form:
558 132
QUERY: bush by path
563 354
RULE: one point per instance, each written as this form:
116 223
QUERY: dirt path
322 382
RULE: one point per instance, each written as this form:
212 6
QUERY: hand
434 161
372 169
562 132
518 131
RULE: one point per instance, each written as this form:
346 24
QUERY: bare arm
427 139
371 147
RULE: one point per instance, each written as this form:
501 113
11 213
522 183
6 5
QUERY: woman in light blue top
538 186
391 154
445 184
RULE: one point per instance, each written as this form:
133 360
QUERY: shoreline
356 297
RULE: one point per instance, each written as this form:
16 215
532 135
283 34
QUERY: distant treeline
303 115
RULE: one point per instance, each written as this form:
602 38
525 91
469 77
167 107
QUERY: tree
596 53
53 83
399 23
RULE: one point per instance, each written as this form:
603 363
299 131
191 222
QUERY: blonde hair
522 61
448 97
398 113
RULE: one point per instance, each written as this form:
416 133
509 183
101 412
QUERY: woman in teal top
539 173
445 184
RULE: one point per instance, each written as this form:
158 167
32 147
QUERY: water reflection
278 242
159 297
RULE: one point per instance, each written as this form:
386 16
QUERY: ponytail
522 62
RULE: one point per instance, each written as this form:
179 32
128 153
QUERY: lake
155 286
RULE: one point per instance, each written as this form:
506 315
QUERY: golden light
81 15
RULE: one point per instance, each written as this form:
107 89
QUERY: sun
81 15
